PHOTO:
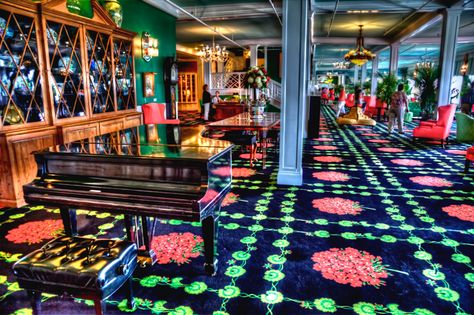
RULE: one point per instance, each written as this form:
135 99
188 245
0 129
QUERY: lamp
340 65
247 53
149 47
360 55
465 64
214 53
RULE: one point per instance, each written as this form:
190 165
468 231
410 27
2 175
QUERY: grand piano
144 173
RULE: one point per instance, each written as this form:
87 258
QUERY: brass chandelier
214 53
360 55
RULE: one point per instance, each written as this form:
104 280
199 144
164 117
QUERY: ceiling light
360 55
214 53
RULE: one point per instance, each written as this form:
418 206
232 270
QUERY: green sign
80 7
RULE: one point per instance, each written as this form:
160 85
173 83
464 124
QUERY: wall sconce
149 47
464 65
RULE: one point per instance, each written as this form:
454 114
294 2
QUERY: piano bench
82 267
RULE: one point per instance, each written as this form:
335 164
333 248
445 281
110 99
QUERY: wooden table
244 122
228 109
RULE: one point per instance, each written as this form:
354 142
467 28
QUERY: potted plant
386 87
426 80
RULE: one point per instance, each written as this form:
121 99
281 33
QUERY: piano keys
180 175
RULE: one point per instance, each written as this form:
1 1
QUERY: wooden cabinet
63 77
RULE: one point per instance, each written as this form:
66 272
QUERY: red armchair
350 100
370 105
469 158
437 129
154 113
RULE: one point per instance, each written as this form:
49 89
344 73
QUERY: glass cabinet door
67 80
124 80
99 51
21 99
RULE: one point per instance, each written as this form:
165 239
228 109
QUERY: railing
228 83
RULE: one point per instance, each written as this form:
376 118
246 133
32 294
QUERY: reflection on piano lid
180 176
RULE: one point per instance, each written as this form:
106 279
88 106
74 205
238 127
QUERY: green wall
140 17
273 64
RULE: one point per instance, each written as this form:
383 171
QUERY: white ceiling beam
437 40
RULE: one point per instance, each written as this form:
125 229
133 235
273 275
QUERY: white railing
228 83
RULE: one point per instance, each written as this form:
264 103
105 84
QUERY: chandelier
464 66
214 53
359 56
424 63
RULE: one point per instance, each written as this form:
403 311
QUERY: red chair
469 158
155 113
437 129
350 100
370 105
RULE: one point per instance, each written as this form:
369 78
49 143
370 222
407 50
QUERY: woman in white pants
341 103
206 101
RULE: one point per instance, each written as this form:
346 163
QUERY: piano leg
69 218
209 227
140 231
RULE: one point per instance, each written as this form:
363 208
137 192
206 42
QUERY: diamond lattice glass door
124 74
21 99
67 80
100 71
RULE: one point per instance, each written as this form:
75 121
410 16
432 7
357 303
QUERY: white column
206 66
253 55
363 75
314 64
394 52
356 75
265 51
375 70
294 80
447 56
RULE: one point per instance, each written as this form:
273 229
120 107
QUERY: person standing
398 105
341 102
206 101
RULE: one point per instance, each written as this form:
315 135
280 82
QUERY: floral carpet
381 226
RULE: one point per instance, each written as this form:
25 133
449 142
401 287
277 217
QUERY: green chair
465 128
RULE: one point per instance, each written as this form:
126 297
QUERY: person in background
216 99
358 98
468 100
206 101
341 103
398 105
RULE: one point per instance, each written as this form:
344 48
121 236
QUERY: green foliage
387 87
338 89
466 85
426 82
366 87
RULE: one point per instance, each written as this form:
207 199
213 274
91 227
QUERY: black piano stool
82 267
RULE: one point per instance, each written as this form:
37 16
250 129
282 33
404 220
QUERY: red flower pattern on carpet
230 199
379 141
337 205
463 212
327 159
177 247
350 266
371 134
407 162
431 181
391 150
35 231
331 176
324 133
242 172
458 152
324 147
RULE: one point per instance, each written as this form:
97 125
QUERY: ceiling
415 23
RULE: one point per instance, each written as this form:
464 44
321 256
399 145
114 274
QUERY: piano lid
153 141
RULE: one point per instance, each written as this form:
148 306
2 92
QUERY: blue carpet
381 226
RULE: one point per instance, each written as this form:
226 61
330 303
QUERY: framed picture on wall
148 84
